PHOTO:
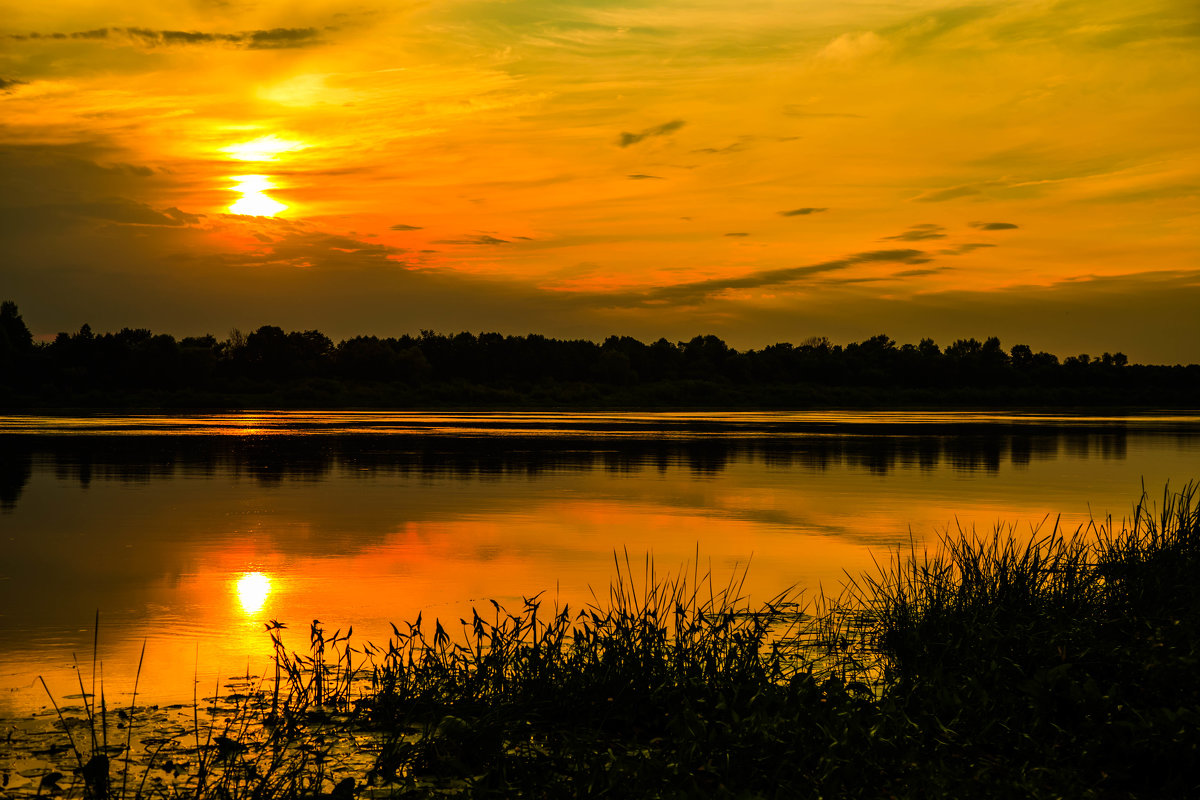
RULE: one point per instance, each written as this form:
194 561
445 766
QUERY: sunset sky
764 170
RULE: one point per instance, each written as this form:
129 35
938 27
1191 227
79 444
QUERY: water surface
189 533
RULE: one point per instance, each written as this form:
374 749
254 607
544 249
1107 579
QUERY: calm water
189 533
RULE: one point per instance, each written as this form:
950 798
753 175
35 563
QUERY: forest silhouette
269 367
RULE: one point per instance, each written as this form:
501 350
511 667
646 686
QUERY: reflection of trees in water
16 468
271 460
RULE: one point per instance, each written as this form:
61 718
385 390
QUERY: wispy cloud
950 193
801 212
112 211
736 147
265 39
626 138
994 226
918 273
480 239
966 247
696 291
643 177
403 227
918 233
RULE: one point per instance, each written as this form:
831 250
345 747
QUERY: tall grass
1060 665
1052 664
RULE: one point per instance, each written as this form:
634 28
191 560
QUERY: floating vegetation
1056 666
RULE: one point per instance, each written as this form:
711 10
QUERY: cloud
695 291
279 38
852 47
736 147
801 212
299 246
941 195
266 39
403 227
182 217
58 177
481 239
918 233
9 84
737 234
626 138
1147 194
917 273
964 248
642 177
118 210
994 226
799 112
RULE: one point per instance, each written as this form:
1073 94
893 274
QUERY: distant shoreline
271 368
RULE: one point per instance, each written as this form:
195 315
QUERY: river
187 534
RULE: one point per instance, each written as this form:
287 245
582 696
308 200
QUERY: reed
1038 664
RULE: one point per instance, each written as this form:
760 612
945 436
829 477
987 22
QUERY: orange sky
765 171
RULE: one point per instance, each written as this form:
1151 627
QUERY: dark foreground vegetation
1054 666
305 369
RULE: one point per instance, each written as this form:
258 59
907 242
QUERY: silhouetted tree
15 338
136 365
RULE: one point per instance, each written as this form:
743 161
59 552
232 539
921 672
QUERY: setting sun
254 201
264 148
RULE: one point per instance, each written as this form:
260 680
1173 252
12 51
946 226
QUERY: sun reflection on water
252 591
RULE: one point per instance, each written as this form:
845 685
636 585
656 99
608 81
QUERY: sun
254 200
264 148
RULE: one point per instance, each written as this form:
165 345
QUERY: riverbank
1061 667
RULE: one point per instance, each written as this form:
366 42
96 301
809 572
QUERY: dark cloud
50 175
942 195
801 212
282 38
626 138
737 234
994 226
7 84
696 291
127 212
402 227
269 39
918 233
480 239
964 248
917 273
182 217
642 177
736 147
296 246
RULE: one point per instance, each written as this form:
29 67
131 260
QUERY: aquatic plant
1039 665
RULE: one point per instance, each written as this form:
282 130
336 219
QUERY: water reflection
16 468
252 590
274 459
194 542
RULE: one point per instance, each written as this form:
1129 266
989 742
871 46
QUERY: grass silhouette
1049 665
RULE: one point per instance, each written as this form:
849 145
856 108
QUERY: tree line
294 368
